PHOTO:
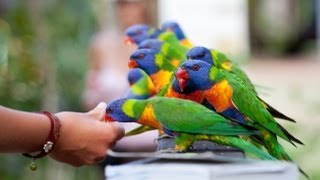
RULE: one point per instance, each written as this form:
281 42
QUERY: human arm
84 137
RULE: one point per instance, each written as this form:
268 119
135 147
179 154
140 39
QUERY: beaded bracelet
50 142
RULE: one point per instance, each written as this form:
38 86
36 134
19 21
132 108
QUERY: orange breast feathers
160 79
220 96
149 119
197 96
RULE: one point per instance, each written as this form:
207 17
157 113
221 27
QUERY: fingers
98 112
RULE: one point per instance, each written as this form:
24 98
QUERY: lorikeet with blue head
141 86
186 120
227 93
175 55
220 61
174 27
135 34
229 96
155 64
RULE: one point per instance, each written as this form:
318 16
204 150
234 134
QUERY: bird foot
162 136
167 150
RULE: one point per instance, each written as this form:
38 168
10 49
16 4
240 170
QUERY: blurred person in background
107 73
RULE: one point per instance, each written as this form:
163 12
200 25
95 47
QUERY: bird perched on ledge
186 120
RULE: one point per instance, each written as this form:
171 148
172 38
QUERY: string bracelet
50 142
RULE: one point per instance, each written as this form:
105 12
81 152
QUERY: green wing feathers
249 105
187 116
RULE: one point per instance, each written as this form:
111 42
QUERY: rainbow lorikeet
174 27
135 34
229 96
220 61
175 55
141 86
186 120
155 64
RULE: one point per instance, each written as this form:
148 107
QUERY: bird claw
167 150
163 136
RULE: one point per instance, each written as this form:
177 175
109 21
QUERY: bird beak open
107 118
128 41
132 64
182 77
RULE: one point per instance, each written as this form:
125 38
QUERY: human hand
85 137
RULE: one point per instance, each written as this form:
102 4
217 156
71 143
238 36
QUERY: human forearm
84 137
22 131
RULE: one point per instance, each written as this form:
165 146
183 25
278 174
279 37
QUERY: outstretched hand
85 137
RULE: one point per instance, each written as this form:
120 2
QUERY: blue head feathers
175 28
114 112
145 60
200 53
194 75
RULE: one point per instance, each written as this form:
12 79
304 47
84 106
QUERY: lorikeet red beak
182 77
128 41
132 64
107 118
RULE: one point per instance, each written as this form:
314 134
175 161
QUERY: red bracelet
51 139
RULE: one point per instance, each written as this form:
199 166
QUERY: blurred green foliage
67 27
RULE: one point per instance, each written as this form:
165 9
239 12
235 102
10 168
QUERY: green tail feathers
277 151
290 136
275 113
286 157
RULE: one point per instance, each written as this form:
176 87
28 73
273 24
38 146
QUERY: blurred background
70 55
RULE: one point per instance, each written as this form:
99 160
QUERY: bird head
115 112
136 34
144 59
151 44
175 28
193 75
200 53
134 75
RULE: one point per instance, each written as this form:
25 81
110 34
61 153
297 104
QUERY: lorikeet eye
141 56
195 67
201 55
109 110
138 32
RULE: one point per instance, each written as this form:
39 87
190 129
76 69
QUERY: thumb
99 111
